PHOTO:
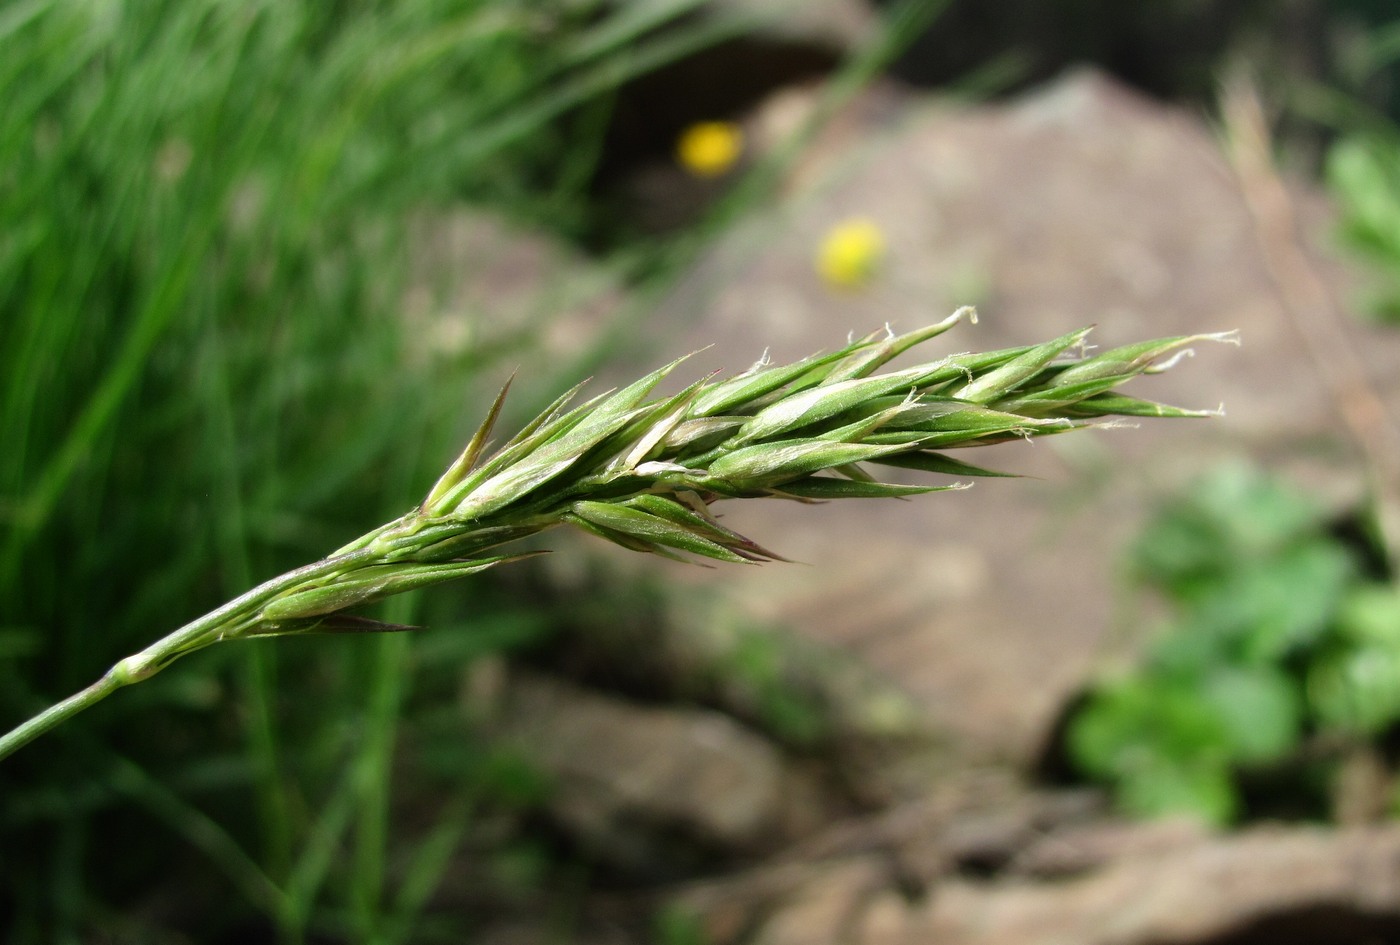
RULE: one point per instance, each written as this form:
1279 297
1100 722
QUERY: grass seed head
641 471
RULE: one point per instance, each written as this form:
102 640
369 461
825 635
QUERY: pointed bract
863 362
1119 405
748 387
819 403
467 459
367 585
931 462
823 488
770 464
644 527
1014 373
1134 358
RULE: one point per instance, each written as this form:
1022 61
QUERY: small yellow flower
851 253
710 148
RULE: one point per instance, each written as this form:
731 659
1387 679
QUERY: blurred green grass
207 219
204 380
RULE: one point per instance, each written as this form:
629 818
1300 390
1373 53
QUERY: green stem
226 622
60 712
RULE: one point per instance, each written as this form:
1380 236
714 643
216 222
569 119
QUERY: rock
973 823
828 907
812 698
1201 891
1081 203
1130 883
1076 849
484 288
650 790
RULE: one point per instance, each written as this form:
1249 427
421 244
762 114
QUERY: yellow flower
851 253
710 148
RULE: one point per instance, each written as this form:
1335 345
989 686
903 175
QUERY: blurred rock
969 824
1081 203
653 791
483 287
1133 883
828 908
1169 48
870 736
1318 885
1078 848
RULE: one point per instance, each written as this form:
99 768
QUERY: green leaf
1361 172
1161 789
1229 518
1183 651
1357 690
1259 708
1160 746
1371 615
1282 604
1129 723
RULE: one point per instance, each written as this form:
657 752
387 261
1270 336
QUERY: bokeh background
264 264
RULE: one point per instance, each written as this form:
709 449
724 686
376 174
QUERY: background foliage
1278 637
205 381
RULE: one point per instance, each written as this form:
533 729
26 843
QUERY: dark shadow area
1171 50
1314 925
719 82
638 188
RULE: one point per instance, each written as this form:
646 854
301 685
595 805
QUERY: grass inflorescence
642 471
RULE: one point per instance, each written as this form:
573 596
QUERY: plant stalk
228 620
60 712
642 473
